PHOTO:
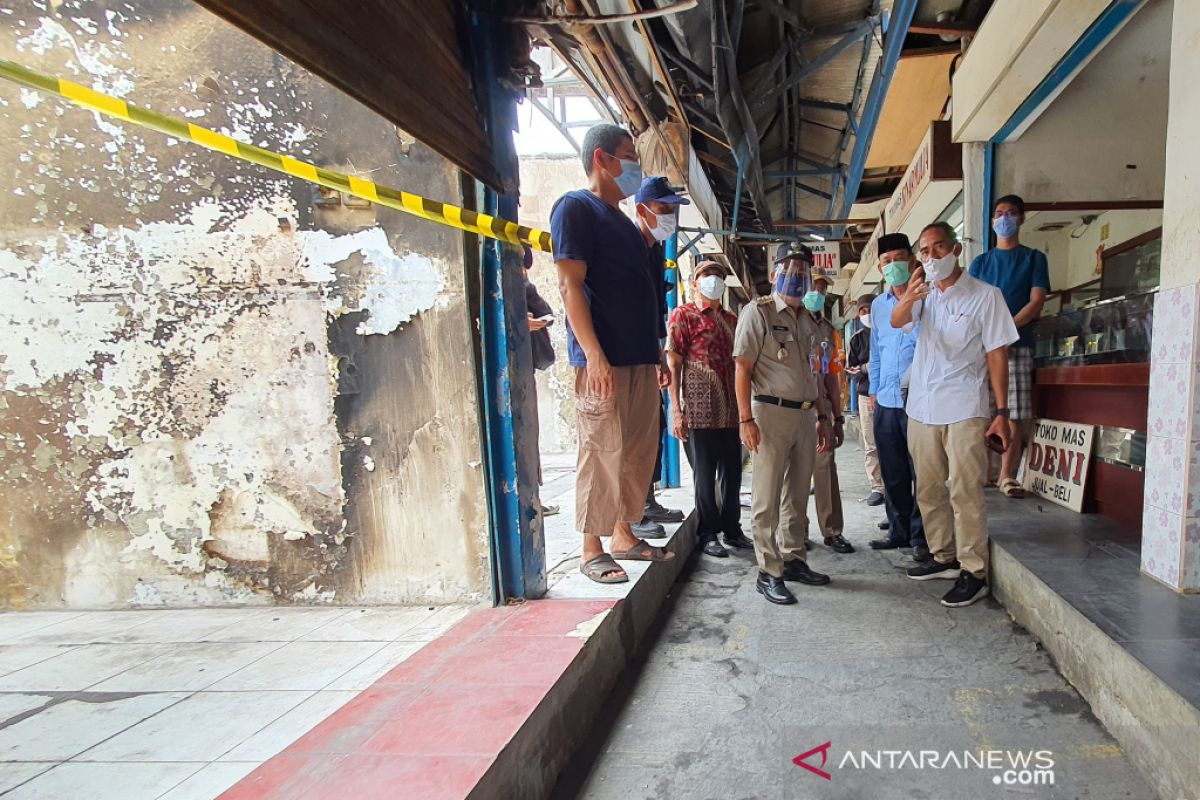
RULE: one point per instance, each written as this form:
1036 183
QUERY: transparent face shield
793 279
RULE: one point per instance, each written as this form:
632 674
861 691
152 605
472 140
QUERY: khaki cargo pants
955 518
618 445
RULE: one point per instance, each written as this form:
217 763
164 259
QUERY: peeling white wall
174 425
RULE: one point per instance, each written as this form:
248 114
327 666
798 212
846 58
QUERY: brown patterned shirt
704 337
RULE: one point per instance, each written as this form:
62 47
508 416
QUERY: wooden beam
939 28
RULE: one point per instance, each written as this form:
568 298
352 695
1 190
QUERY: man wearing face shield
704 409
827 357
783 418
613 322
962 347
892 351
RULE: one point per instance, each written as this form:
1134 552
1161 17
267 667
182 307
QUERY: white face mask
938 269
712 287
664 226
865 319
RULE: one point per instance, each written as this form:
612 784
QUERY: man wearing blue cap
657 202
614 318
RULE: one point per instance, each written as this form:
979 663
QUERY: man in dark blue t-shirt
613 320
1023 277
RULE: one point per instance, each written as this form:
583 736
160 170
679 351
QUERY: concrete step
1120 638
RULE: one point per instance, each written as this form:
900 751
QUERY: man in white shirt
962 347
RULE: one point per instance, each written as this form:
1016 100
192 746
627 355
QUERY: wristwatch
840 420
1002 412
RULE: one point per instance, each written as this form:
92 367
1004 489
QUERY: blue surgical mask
792 283
630 179
1005 225
814 301
896 273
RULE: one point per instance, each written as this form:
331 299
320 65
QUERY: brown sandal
1012 489
642 551
602 569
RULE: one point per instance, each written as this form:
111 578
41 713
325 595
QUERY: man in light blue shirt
891 359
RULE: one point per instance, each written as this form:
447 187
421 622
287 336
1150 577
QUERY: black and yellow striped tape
446 214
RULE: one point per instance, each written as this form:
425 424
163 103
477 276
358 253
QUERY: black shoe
921 554
713 548
883 544
799 571
838 544
647 529
966 591
808 543
875 499
739 540
654 512
932 570
883 526
774 589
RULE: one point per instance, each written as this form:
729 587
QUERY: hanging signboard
827 257
929 184
1056 461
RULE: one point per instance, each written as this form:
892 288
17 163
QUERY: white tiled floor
180 705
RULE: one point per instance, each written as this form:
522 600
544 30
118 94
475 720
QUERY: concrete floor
735 688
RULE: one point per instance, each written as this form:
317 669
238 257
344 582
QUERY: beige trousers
866 421
779 484
618 445
955 518
829 492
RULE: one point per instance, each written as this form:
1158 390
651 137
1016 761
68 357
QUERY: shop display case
1112 331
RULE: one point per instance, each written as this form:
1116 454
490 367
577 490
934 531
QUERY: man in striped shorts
1023 277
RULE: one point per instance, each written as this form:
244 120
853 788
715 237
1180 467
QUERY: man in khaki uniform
827 358
783 420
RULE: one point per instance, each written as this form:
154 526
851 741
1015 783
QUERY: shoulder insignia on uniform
762 301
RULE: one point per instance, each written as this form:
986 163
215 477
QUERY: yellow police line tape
446 214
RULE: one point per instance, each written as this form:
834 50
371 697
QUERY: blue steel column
516 537
670 464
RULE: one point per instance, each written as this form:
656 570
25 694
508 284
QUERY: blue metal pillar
509 396
670 463
896 29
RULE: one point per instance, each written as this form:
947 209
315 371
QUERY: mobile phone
995 444
547 318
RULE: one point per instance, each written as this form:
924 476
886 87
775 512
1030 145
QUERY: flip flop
1012 489
643 551
601 569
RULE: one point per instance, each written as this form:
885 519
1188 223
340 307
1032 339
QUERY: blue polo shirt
620 289
1015 273
892 353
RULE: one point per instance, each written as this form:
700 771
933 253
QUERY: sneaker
654 512
875 499
967 589
934 571
648 530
